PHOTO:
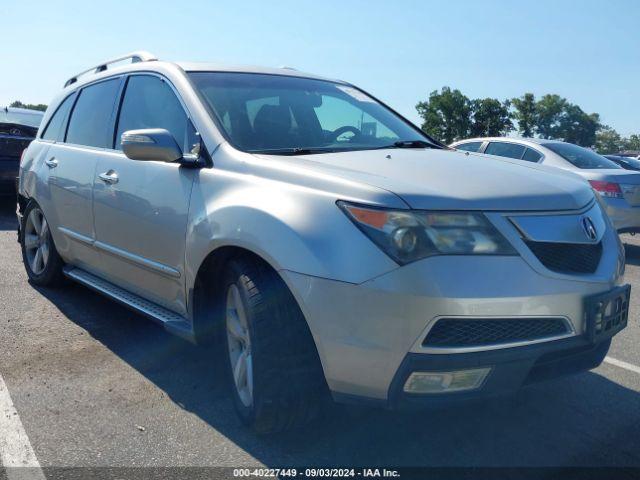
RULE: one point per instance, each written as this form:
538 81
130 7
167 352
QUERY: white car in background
619 188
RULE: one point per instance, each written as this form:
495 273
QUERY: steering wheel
333 136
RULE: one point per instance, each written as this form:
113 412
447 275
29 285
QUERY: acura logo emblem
589 228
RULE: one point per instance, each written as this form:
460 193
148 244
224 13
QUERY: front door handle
109 177
52 162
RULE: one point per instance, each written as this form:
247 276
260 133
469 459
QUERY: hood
450 180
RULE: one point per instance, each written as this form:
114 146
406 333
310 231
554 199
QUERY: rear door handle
52 162
109 177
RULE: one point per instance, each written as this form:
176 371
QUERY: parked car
18 126
619 188
628 163
332 245
630 154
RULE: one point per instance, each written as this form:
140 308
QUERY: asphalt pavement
94 384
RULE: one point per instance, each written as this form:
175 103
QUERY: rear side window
150 103
532 156
90 122
503 149
469 147
55 128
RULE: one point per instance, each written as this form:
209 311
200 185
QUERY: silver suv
330 246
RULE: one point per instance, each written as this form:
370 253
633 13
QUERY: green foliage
491 118
631 143
446 115
449 116
608 141
18 104
525 114
549 113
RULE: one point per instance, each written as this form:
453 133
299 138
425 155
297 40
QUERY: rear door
141 212
72 163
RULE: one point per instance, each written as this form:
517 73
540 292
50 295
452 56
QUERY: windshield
30 119
581 157
275 114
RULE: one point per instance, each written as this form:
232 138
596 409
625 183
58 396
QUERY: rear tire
281 384
39 254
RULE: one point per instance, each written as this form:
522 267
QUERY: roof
145 60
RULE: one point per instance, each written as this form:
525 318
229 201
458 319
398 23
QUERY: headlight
409 235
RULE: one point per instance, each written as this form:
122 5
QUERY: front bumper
369 336
625 218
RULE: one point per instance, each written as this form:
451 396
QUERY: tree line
31 106
449 115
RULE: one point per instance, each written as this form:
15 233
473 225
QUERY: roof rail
138 56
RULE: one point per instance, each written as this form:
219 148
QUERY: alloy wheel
36 241
239 343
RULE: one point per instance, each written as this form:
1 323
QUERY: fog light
445 382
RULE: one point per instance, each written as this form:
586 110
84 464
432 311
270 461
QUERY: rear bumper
625 218
8 173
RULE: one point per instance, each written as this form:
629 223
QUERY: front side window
55 130
274 114
469 147
90 122
580 157
149 102
504 149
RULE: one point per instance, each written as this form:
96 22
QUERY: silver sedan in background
619 188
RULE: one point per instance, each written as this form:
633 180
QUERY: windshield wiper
413 144
292 151
409 144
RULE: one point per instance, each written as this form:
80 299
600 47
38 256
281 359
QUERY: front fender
292 228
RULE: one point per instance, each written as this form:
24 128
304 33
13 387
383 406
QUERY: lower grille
568 257
458 332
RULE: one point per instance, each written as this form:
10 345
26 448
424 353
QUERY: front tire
273 367
39 254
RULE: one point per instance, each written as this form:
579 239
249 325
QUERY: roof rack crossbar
138 56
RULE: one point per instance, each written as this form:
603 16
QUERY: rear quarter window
54 130
469 146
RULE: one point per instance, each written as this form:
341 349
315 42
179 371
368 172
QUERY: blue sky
585 50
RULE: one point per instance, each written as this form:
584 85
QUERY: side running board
172 322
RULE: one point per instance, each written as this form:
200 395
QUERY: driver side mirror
151 144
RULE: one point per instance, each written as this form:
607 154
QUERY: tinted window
150 103
581 157
503 149
55 129
469 147
625 162
532 156
272 113
90 122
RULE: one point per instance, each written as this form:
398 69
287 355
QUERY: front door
141 207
